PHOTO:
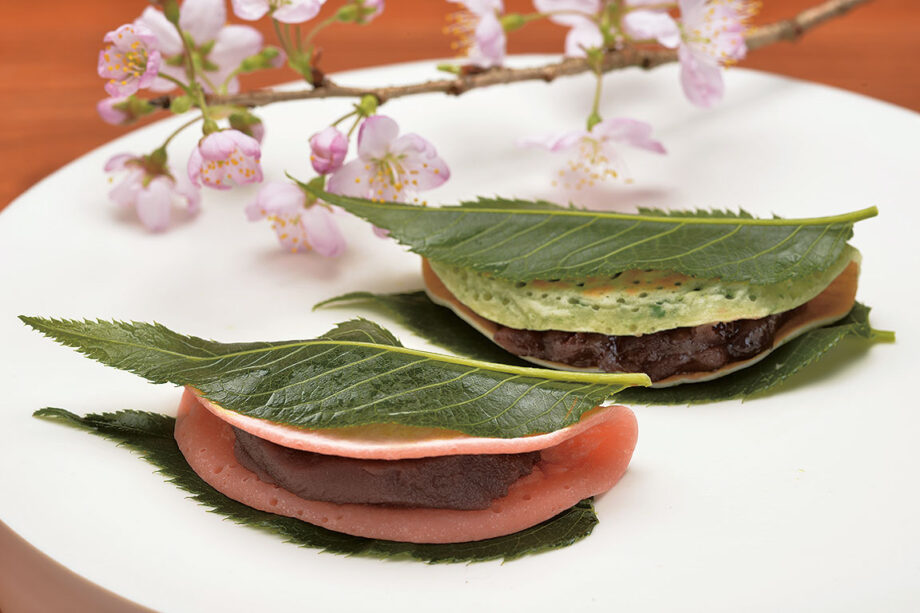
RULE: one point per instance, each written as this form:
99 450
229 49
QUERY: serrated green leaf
362 330
772 371
335 382
454 334
434 323
699 213
151 435
523 241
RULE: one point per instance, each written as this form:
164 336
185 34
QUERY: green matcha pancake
745 322
631 303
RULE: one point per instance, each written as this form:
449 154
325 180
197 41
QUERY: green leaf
151 435
357 374
770 372
434 323
523 241
454 334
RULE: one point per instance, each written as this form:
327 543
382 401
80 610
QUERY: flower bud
360 11
327 150
123 110
512 22
111 110
180 104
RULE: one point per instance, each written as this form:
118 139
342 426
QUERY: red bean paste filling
463 482
660 355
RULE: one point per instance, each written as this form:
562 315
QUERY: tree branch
785 30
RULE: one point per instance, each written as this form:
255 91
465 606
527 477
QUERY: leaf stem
344 117
178 130
235 73
194 87
175 81
595 117
281 39
351 130
316 29
882 336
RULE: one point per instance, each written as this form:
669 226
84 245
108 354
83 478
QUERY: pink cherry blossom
110 112
576 15
713 36
285 11
130 61
298 227
652 25
205 21
224 159
595 155
480 35
389 166
151 189
327 150
710 35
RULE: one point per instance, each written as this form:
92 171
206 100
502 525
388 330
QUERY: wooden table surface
49 87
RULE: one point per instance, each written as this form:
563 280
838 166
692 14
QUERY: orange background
49 87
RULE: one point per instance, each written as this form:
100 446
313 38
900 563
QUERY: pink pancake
393 442
583 465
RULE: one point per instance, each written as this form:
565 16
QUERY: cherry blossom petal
554 142
628 131
490 42
373 8
163 85
217 146
352 179
290 231
125 193
700 78
250 10
375 136
202 19
692 10
188 192
154 204
168 40
276 198
422 168
234 44
652 25
322 232
584 35
590 7
481 7
109 114
298 11
117 162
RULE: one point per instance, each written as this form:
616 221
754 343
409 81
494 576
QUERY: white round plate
804 500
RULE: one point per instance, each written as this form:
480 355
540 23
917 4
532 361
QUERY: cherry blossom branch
785 30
